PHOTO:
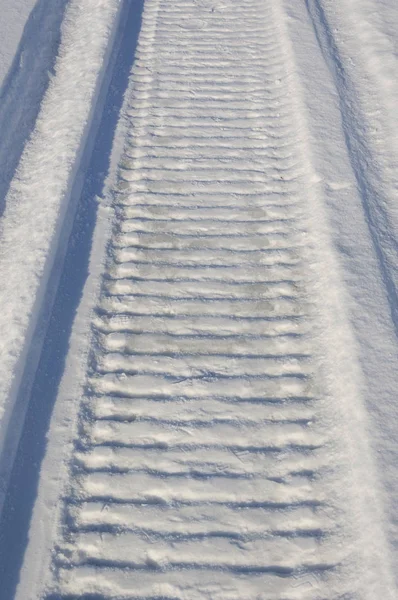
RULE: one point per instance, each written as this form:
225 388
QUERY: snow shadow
26 84
71 270
373 203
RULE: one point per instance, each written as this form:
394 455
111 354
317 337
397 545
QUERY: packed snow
219 419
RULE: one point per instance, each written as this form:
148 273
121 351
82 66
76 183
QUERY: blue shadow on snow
23 484
25 85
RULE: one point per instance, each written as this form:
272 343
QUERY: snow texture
225 426
37 202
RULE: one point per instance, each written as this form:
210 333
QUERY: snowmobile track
219 441
200 465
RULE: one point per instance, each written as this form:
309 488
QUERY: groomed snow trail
222 446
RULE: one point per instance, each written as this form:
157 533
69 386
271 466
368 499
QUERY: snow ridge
40 190
369 117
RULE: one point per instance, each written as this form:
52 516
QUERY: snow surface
14 16
40 190
226 422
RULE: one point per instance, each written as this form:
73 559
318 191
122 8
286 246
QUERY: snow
27 78
225 425
39 190
15 14
363 216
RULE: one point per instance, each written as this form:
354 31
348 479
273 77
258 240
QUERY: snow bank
38 198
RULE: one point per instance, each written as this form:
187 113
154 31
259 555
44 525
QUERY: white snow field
199 301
